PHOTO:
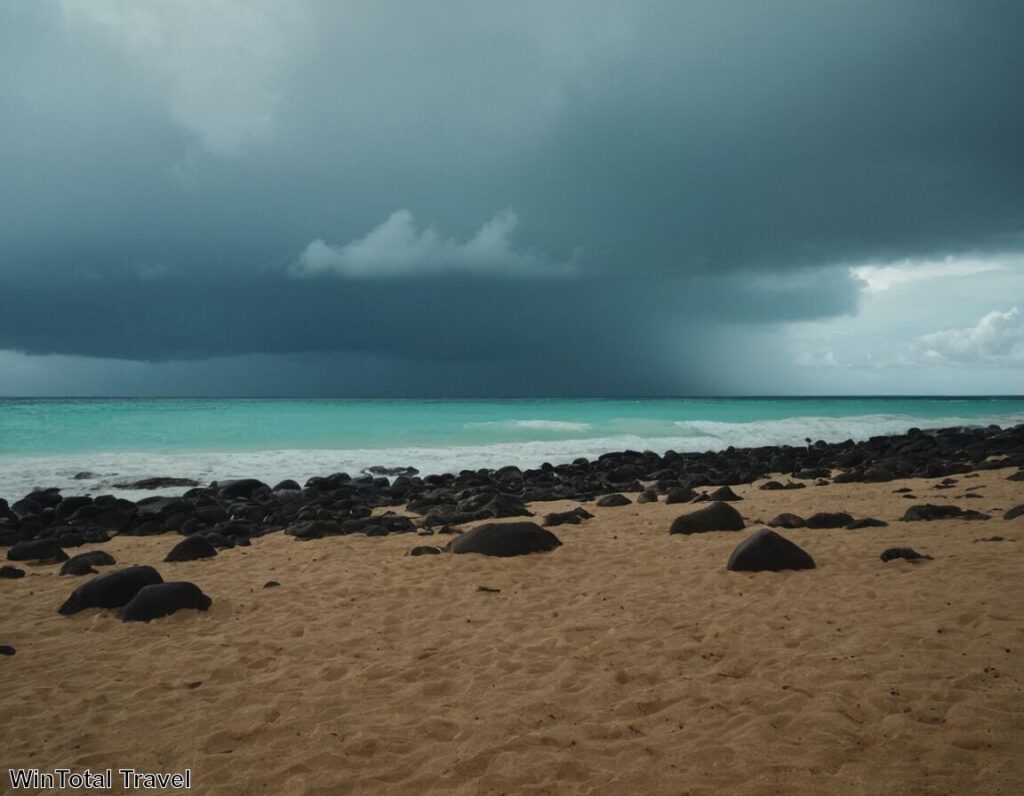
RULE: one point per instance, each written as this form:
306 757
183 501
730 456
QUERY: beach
628 660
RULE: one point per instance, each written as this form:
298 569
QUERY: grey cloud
716 166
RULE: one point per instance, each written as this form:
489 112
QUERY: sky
475 198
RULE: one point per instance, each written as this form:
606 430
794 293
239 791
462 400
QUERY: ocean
47 442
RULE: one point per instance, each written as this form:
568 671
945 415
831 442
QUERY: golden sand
627 661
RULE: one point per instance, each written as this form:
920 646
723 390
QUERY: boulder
614 499
191 548
928 512
111 590
573 517
37 550
163 599
11 573
767 551
786 520
679 494
715 517
825 519
647 496
867 522
505 539
241 488
724 493
83 563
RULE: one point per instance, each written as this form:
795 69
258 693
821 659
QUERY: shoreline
247 507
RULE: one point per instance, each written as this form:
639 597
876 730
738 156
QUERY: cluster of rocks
231 513
140 594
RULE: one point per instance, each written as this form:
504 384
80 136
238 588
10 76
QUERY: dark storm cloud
689 167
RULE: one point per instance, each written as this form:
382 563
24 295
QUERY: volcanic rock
37 550
83 563
824 519
716 517
111 590
909 553
191 548
163 599
786 520
765 550
505 539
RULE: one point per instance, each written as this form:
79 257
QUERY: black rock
157 482
909 553
7 649
11 573
83 563
271 584
37 550
378 470
573 517
765 550
219 540
1016 511
191 548
786 520
111 590
614 499
867 522
314 529
825 519
69 506
647 496
1017 476
679 494
242 488
163 599
929 512
724 493
425 550
716 517
503 506
505 539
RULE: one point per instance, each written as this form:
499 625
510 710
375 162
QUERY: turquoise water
45 442
70 426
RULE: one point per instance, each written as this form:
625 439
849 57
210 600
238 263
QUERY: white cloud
399 247
880 278
997 337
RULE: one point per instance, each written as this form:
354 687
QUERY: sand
627 661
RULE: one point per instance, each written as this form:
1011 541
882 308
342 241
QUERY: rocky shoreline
234 512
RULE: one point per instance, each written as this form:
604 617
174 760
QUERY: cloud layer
706 173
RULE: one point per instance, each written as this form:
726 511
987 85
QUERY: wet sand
627 661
